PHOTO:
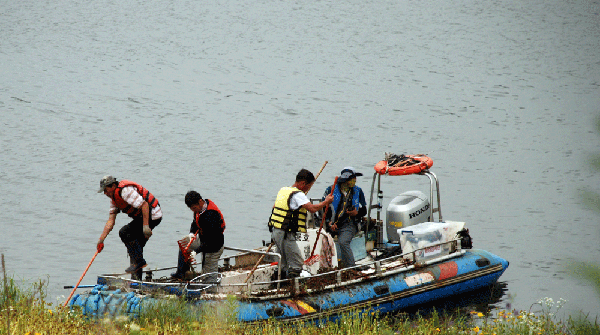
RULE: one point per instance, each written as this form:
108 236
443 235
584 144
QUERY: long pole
257 263
319 173
312 253
80 278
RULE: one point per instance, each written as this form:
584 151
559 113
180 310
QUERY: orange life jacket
121 204
211 206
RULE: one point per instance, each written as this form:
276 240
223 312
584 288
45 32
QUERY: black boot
135 275
135 252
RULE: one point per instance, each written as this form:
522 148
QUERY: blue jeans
345 235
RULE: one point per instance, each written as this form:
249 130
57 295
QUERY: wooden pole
80 278
312 253
257 263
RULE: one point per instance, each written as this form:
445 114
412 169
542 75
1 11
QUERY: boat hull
389 293
384 292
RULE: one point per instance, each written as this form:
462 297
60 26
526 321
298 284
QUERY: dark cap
106 181
348 173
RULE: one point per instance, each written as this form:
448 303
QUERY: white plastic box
427 236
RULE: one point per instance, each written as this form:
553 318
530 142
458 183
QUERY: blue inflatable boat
422 261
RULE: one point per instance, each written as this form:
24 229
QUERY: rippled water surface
232 98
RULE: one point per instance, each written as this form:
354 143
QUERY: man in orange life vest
207 230
137 202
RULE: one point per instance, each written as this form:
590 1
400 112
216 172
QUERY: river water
232 98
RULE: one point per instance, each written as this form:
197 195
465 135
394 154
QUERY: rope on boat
401 160
101 302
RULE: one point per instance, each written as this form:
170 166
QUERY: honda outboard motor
407 209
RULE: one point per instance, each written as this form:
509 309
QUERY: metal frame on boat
434 186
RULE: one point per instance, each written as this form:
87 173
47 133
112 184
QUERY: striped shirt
132 197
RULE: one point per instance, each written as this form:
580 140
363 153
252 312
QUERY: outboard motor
407 209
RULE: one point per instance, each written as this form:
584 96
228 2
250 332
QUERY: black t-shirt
210 231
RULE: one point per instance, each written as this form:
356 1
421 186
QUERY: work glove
99 246
147 231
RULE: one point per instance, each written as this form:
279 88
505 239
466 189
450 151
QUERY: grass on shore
27 311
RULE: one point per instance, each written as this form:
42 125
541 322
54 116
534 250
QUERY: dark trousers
134 230
132 235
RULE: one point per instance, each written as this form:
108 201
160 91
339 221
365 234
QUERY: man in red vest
207 231
143 208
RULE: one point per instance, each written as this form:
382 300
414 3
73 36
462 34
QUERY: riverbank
27 311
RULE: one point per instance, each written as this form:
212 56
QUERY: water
233 98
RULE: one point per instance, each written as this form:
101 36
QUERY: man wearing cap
289 217
348 206
137 202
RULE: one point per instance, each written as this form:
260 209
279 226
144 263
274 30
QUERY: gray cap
105 181
348 173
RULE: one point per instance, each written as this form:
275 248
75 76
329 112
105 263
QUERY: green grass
26 311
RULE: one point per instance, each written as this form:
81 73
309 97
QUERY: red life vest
211 206
121 204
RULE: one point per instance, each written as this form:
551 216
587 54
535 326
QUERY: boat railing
252 251
140 283
377 268
204 282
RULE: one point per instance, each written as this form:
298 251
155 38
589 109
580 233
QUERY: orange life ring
412 164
